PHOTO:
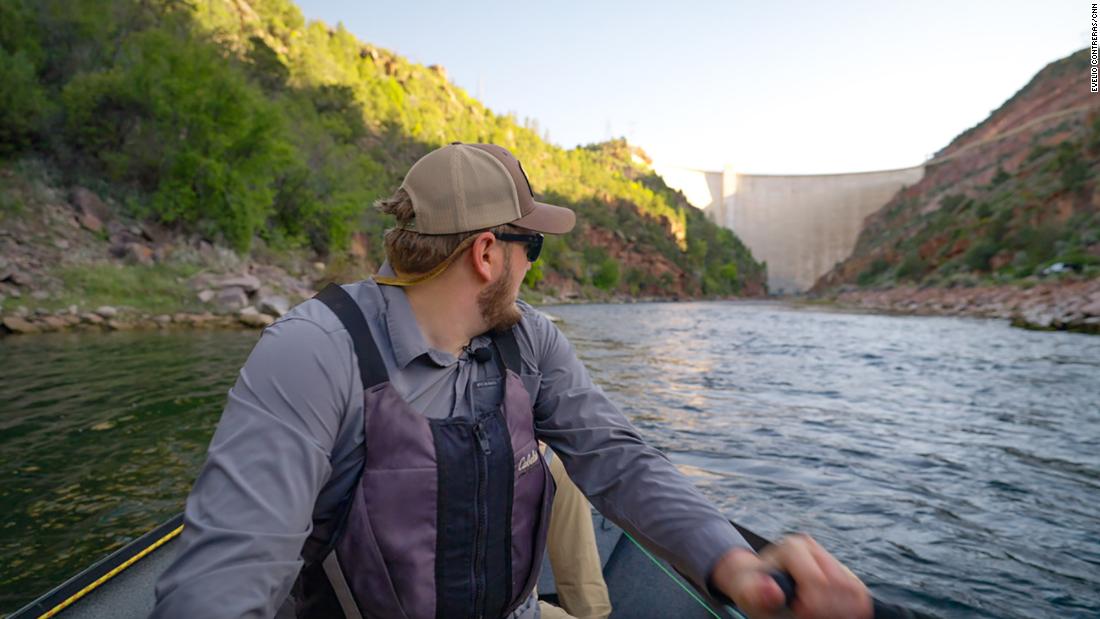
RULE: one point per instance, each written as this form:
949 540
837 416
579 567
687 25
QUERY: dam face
801 225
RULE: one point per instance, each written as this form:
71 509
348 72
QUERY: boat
640 585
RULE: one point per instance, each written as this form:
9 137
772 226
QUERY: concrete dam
801 225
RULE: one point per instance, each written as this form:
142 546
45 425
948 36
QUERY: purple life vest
449 517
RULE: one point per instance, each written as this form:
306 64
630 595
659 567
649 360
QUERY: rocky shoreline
108 318
241 304
1045 306
231 300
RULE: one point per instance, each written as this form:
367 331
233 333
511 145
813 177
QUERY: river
954 464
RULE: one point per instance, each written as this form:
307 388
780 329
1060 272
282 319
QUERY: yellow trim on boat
111 574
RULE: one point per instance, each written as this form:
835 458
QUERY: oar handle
786 584
881 610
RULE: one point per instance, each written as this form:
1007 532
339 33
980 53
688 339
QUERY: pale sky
768 87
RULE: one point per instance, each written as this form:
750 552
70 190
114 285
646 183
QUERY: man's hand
823 587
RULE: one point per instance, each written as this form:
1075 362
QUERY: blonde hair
411 252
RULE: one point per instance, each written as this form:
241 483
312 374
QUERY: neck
448 317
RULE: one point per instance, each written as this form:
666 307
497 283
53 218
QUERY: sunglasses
532 241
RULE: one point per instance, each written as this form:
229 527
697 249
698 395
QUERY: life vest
449 516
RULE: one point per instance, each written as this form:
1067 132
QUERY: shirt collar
406 339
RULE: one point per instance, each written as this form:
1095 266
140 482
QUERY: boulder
19 278
90 222
207 251
115 324
232 297
252 318
247 282
274 305
106 311
87 201
207 295
15 324
203 319
1039 319
117 248
163 319
139 253
156 233
55 323
92 319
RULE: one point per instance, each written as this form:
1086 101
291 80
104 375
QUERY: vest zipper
480 509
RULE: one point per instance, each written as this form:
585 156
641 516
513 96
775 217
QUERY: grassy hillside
239 121
1004 201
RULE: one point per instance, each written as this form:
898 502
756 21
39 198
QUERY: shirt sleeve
250 509
629 481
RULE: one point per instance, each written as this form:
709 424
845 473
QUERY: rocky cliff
1012 203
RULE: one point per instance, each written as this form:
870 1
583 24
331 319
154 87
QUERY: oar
882 610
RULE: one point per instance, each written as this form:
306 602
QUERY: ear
483 256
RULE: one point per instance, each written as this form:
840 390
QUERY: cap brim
548 219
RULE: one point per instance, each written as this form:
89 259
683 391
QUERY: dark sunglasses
533 242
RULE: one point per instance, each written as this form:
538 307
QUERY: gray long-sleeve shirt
290 444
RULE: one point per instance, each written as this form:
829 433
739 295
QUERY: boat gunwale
100 572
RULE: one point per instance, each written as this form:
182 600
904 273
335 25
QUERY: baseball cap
465 187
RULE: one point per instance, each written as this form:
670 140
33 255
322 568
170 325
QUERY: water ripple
953 463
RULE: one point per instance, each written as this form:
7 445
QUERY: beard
498 306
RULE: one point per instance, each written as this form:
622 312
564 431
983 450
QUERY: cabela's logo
527 461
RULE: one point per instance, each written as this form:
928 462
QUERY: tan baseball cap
466 187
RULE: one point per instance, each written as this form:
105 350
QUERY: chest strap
507 350
372 371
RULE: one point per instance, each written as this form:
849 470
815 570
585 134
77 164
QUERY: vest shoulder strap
508 349
372 371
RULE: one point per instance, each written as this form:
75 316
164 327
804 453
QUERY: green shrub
174 118
607 274
979 255
912 267
1074 170
22 102
877 267
955 202
534 276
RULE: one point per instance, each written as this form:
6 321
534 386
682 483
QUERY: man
378 451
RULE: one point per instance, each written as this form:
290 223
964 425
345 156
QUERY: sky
765 87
